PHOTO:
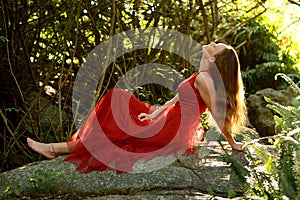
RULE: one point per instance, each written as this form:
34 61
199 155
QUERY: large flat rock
195 173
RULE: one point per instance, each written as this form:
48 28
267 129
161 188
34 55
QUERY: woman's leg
50 150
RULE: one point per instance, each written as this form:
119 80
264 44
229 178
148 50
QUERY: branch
111 32
13 135
205 21
113 19
214 16
294 2
91 18
240 25
8 54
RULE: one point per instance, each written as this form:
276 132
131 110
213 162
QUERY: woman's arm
145 116
205 85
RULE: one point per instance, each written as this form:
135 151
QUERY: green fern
288 115
274 172
292 84
287 143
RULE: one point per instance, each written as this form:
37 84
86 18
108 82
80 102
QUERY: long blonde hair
228 67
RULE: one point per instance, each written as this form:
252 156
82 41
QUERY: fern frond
280 109
268 64
287 175
294 132
293 85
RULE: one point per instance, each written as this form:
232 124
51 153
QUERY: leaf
17 191
12 109
261 154
270 166
32 180
8 188
210 191
3 39
293 85
231 193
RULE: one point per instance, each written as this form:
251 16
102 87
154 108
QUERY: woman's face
212 49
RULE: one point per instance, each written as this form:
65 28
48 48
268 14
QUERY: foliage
262 57
14 191
264 45
3 39
210 191
45 183
231 193
273 171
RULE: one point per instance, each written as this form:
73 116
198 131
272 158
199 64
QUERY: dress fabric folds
113 137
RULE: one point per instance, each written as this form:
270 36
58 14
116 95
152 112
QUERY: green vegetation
273 171
47 180
14 191
210 191
44 183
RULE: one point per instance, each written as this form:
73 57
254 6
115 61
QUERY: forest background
43 44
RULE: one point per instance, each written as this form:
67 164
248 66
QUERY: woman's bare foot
46 150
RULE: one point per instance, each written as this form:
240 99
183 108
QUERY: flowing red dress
113 136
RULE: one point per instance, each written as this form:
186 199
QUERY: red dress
113 136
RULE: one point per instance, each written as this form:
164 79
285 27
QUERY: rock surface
188 177
261 117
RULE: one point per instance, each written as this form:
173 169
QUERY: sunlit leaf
3 39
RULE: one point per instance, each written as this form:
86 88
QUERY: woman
169 130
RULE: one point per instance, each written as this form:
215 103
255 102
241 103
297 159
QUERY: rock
162 195
261 117
188 177
45 116
214 134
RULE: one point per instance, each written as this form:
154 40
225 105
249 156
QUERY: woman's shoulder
203 75
203 80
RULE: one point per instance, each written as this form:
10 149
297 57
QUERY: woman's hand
144 116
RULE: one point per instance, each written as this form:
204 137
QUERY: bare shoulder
203 81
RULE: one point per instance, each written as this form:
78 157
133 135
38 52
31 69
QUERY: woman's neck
204 64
